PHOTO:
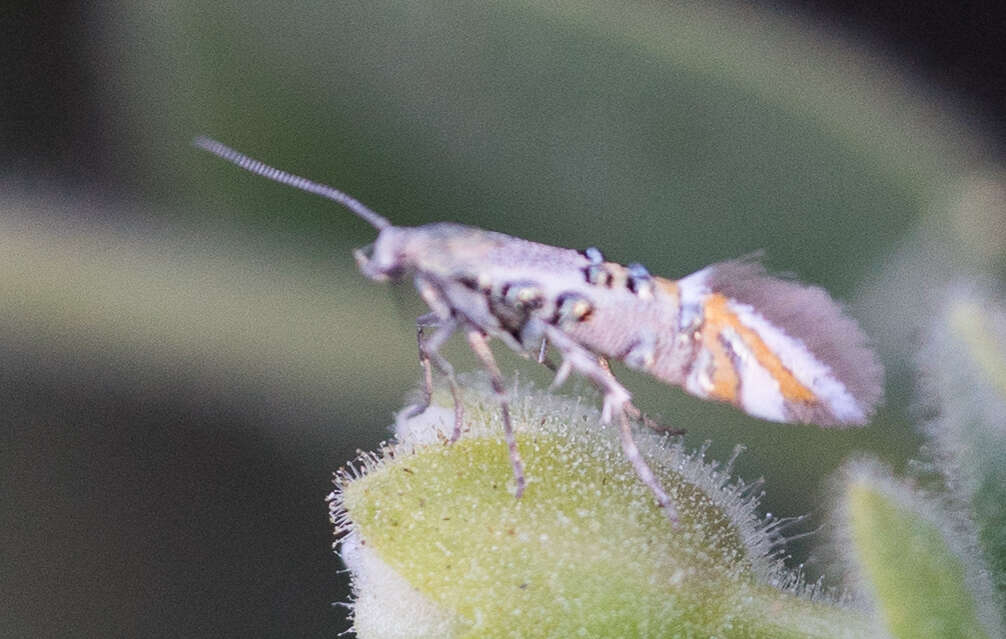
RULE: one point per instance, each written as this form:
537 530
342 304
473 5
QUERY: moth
772 347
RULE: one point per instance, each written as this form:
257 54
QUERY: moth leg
429 350
429 353
643 469
544 359
577 358
424 321
480 344
637 415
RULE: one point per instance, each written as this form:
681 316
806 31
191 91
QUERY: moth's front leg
430 320
429 352
424 321
446 323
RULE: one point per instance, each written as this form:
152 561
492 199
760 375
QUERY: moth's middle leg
480 344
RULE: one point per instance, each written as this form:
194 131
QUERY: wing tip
809 314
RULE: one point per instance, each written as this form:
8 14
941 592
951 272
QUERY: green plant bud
439 546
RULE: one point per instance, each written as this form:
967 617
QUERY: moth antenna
261 168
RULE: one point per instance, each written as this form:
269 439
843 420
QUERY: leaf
905 553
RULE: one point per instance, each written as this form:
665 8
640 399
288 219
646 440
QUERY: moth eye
572 307
396 273
366 252
640 281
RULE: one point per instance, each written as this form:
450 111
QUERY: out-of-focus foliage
922 578
963 369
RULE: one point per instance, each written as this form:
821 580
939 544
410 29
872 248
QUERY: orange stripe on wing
724 375
717 316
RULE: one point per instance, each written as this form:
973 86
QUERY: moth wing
775 348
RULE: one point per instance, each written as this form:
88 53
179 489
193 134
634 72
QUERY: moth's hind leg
616 398
429 356
634 413
637 415
480 344
643 469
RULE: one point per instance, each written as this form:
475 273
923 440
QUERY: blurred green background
188 351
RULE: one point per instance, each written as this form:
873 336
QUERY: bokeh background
187 351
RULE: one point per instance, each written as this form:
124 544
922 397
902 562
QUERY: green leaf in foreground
911 563
963 373
439 546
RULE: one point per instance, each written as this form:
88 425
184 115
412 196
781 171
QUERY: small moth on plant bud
774 348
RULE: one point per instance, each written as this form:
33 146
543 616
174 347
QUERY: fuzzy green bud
439 546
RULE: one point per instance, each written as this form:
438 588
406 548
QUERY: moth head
385 259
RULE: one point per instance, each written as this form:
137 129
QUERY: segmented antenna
260 168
